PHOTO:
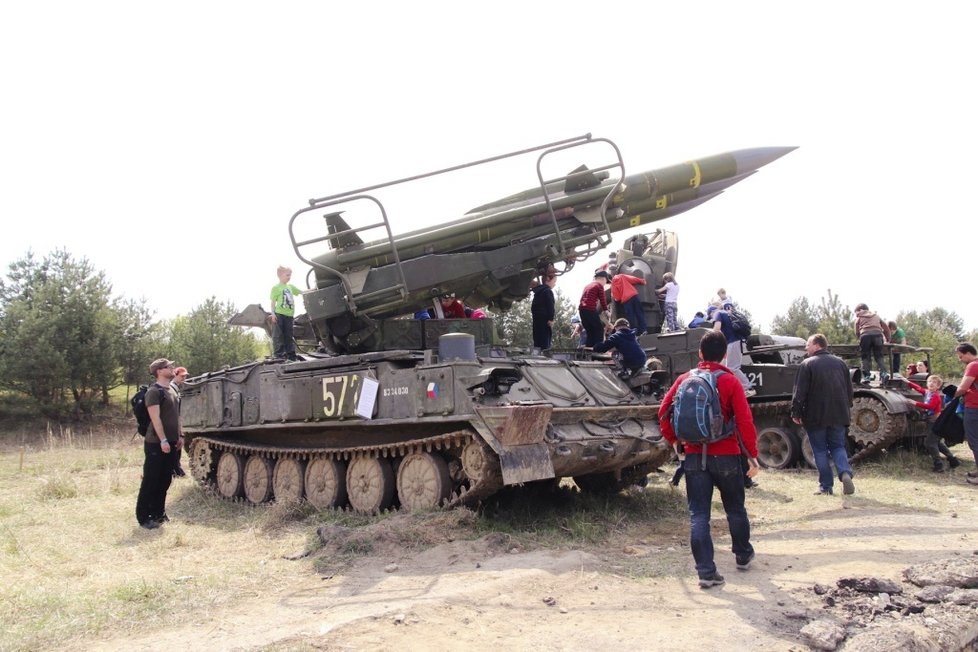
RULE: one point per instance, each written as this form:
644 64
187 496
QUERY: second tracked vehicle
880 415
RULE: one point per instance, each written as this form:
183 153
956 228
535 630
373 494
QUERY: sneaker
971 480
972 474
179 473
953 462
751 392
823 492
149 525
847 487
743 563
715 579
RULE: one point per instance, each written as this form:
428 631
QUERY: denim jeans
724 473
635 314
829 441
971 430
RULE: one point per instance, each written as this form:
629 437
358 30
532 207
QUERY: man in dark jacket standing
822 401
543 310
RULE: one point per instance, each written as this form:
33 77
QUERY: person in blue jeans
821 402
721 469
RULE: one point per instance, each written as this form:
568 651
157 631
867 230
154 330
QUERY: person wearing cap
163 438
594 304
179 377
625 341
578 333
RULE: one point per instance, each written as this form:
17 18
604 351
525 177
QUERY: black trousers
591 321
285 342
157 476
871 345
542 334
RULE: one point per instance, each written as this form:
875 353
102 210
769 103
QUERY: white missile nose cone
758 157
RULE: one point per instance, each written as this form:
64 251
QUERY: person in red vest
623 291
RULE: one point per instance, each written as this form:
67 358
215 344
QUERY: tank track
873 428
478 488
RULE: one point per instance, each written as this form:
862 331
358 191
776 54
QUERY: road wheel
777 448
423 481
288 480
230 476
201 461
326 483
370 484
872 424
806 451
258 479
475 461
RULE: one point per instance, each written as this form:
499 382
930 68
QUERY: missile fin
346 237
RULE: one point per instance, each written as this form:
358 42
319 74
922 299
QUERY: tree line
66 342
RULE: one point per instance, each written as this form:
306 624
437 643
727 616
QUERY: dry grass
76 569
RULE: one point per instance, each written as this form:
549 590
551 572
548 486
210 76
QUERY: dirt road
635 593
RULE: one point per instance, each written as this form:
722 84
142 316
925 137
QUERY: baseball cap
159 363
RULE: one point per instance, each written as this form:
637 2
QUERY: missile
490 255
574 204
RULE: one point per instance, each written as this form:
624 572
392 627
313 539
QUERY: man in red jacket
722 469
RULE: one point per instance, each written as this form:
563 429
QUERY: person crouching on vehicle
625 341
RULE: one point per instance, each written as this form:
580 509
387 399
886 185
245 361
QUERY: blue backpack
696 415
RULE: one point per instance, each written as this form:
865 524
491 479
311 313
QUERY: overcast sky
143 135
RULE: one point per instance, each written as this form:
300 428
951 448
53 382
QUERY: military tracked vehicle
880 415
385 409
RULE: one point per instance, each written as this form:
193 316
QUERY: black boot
953 462
938 466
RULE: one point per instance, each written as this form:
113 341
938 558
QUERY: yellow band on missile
635 221
662 202
697 175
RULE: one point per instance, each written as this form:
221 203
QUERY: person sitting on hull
625 341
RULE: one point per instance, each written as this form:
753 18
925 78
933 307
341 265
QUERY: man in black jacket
543 310
821 401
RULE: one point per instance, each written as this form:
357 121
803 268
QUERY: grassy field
77 569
